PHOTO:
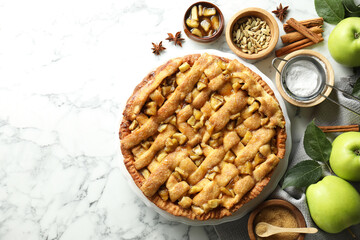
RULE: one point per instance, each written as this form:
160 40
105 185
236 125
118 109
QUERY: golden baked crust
202 142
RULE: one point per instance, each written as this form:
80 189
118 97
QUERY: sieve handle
273 63
339 104
347 94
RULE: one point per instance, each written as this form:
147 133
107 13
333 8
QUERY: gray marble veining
66 71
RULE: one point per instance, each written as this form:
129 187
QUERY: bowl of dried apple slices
203 22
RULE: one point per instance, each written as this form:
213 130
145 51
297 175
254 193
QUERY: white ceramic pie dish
269 188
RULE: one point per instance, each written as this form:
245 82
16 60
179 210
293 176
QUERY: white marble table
66 70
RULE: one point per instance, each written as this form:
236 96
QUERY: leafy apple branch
307 172
333 11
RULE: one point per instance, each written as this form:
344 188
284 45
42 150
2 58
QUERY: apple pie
201 136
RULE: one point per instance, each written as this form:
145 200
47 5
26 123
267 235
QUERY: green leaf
356 90
303 174
316 145
354 14
331 10
350 6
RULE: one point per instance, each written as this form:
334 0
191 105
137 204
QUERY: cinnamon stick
296 36
345 128
303 30
306 23
296 46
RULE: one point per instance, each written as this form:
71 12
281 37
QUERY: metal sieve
320 71
321 86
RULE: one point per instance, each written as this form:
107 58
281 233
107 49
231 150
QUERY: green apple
344 42
334 204
345 155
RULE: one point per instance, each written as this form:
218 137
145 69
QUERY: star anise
281 12
157 48
177 39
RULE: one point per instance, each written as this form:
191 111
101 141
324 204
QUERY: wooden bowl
330 79
263 15
204 39
276 202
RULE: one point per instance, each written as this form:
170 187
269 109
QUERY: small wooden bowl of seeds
203 22
252 33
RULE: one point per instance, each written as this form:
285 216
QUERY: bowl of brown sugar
278 213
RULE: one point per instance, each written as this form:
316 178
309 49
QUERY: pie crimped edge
169 206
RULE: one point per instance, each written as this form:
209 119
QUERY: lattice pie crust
201 136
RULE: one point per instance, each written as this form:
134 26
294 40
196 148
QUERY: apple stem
351 233
357 35
329 168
